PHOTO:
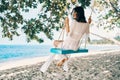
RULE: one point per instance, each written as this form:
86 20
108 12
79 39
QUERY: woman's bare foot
62 62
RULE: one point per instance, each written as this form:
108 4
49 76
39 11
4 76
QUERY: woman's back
77 30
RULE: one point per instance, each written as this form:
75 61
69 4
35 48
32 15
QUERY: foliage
109 13
117 38
50 17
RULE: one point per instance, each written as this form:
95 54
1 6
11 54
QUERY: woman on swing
76 29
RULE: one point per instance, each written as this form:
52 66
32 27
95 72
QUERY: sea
17 52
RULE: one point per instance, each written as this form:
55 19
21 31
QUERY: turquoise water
14 52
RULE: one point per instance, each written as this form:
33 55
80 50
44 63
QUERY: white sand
22 62
30 61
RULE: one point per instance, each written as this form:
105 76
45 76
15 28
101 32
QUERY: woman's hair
80 14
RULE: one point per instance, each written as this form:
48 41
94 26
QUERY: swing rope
61 36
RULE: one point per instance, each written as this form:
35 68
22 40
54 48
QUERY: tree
108 12
50 18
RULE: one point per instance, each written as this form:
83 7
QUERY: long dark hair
80 14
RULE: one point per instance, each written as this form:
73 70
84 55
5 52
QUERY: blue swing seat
61 51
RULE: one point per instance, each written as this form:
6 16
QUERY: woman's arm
67 25
87 38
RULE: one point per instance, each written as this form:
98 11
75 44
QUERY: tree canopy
50 18
109 13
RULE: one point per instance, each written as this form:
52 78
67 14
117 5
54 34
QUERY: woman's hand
89 20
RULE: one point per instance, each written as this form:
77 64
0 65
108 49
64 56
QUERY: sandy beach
104 65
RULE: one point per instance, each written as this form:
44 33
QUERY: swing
63 51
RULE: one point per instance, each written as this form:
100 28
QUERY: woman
77 28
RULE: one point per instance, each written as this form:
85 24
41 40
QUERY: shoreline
32 61
104 65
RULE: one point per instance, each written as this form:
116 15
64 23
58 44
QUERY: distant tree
117 38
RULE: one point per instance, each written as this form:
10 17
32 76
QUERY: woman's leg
47 63
57 43
63 59
65 66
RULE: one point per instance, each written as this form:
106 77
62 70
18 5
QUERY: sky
21 40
